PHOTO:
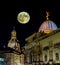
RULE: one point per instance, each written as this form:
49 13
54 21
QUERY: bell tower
13 42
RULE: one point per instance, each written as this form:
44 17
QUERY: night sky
36 8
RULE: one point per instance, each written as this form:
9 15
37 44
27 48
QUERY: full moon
23 17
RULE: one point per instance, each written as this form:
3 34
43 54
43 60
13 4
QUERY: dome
13 29
47 26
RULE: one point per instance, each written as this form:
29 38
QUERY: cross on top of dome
48 25
47 15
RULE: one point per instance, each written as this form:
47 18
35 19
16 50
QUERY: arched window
30 58
57 56
45 57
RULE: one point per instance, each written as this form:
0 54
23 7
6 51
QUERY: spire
14 29
13 33
47 15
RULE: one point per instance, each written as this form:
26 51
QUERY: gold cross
47 15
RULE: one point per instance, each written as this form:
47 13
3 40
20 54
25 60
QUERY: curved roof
13 30
47 25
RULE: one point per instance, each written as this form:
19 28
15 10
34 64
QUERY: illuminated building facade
12 54
43 47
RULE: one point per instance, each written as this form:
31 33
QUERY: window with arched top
45 57
30 58
57 56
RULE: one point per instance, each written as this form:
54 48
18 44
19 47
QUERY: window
45 57
30 58
1 59
57 56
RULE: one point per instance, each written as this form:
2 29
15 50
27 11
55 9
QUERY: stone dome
47 26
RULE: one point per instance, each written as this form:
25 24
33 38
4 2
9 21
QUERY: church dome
47 26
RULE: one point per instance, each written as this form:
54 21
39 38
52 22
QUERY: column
51 46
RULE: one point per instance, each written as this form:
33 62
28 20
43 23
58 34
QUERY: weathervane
47 15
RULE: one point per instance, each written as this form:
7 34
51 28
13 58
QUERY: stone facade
43 48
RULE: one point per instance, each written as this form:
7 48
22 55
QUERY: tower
13 42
